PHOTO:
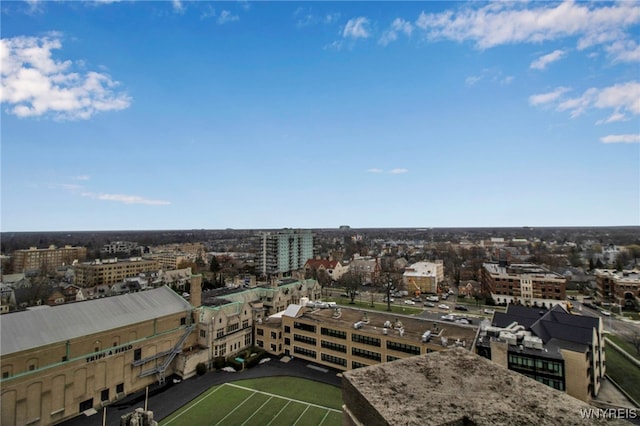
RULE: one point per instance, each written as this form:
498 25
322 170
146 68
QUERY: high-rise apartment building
47 259
285 251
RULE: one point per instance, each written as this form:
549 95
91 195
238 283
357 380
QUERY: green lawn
280 401
623 372
624 345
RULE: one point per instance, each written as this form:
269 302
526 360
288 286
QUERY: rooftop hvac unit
387 324
510 338
358 325
426 336
384 331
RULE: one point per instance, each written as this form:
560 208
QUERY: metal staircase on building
159 370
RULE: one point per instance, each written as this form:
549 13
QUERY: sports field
276 401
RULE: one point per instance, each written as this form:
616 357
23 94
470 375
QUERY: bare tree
351 282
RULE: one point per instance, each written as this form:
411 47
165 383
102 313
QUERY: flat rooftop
455 387
414 327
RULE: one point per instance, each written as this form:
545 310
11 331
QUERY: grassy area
267 401
291 387
624 345
631 315
623 372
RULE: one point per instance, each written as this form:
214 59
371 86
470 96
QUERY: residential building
621 287
424 277
457 387
345 339
112 271
48 259
556 348
284 252
526 283
170 261
365 267
333 268
60 361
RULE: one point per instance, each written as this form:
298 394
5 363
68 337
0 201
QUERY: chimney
196 290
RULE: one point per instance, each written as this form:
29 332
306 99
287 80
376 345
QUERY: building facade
621 287
58 362
284 252
558 349
48 259
424 277
111 271
345 339
523 282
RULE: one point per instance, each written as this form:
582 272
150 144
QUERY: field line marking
301 414
255 412
284 397
281 410
324 418
234 410
202 398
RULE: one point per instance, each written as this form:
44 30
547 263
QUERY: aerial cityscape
319 213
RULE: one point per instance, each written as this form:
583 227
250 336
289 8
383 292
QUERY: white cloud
81 177
545 98
36 84
501 23
544 60
489 74
398 25
356 28
623 99
624 51
631 138
178 7
125 199
398 171
226 16
374 170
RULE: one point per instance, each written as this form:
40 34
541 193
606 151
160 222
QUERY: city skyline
256 115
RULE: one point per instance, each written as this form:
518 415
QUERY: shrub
201 368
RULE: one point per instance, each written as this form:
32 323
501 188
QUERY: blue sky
122 115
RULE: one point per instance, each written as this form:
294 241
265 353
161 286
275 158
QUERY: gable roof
35 328
326 263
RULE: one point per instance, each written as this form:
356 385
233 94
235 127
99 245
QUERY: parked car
443 306
489 311
429 304
391 299
432 298
605 313
461 308
416 299
409 302
462 321
448 317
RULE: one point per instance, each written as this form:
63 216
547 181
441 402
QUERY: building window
5 374
120 388
247 339
233 327
32 367
333 333
203 333
306 327
260 343
334 346
287 341
391 358
287 329
220 333
104 395
334 360
273 335
304 339
367 340
402 347
245 323
260 332
304 351
137 354
273 347
366 354
64 358
356 364
183 321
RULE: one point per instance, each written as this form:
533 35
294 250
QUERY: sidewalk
165 400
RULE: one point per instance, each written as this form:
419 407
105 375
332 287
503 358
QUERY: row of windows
305 327
333 346
304 351
540 365
333 333
304 339
356 364
334 360
403 347
391 358
367 340
366 354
